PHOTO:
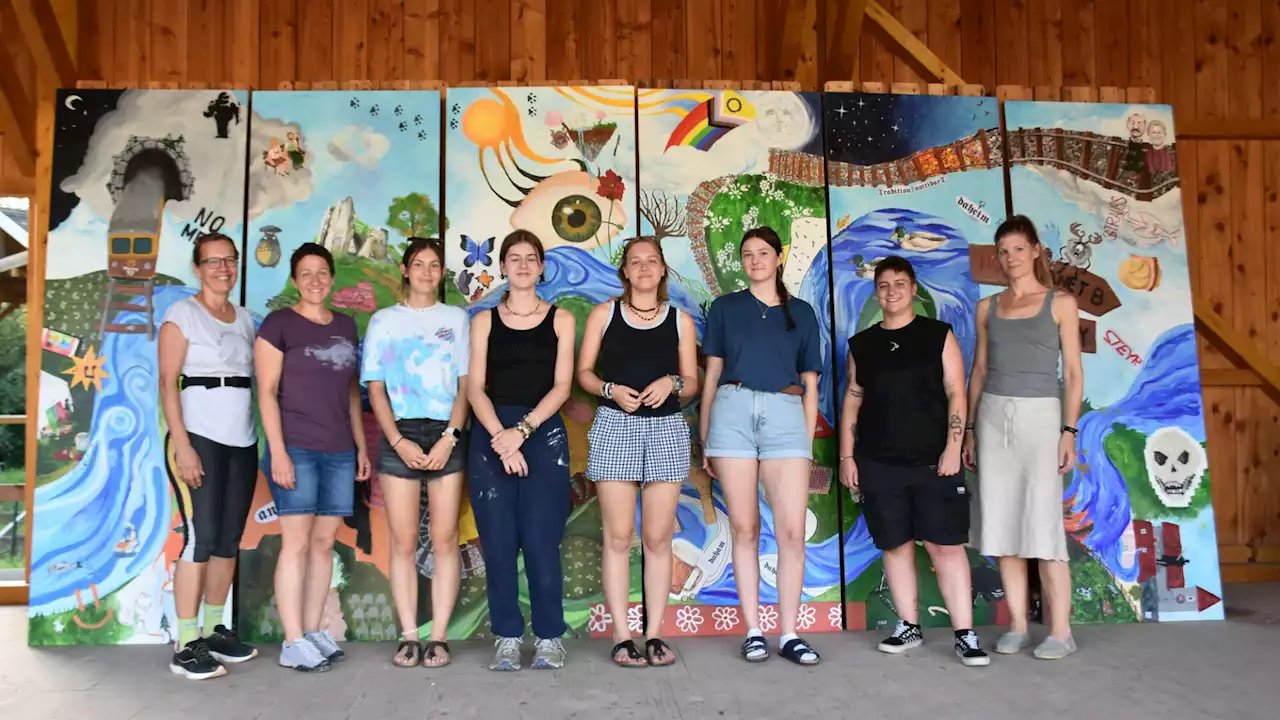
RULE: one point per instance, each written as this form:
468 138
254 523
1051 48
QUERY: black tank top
903 418
520 365
635 357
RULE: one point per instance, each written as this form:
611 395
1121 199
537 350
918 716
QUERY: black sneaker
225 646
905 636
196 662
969 650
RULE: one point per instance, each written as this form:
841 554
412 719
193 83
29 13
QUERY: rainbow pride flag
709 121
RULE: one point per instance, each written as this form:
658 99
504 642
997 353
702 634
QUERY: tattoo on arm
956 427
855 391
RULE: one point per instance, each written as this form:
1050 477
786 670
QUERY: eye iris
576 218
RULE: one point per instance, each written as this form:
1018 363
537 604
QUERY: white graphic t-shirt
216 349
419 355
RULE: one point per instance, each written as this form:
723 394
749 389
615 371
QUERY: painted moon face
783 120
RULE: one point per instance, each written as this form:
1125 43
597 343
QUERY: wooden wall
1211 59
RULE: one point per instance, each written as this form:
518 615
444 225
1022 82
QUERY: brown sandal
412 658
431 653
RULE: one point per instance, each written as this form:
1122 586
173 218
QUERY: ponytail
784 297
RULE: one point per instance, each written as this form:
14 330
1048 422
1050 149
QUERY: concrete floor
1219 670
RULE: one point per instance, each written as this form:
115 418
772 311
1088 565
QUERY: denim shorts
324 483
759 425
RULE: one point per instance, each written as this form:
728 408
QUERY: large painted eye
567 209
576 218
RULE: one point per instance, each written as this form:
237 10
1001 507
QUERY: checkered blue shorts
638 448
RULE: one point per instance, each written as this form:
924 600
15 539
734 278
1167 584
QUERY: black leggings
220 506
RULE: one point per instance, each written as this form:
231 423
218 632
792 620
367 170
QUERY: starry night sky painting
895 186
872 128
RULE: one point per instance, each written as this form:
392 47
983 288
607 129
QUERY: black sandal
430 653
415 653
656 648
796 649
633 653
753 643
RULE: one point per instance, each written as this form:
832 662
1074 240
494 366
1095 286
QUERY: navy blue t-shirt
760 352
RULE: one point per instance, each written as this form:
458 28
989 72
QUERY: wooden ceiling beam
1237 343
905 45
17 111
43 34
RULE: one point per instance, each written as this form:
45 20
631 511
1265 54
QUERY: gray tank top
1022 353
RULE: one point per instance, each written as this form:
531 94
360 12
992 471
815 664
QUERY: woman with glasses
309 400
415 367
640 355
521 373
759 412
205 352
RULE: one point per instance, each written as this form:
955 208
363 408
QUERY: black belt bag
187 381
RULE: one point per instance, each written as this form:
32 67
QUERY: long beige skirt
1019 509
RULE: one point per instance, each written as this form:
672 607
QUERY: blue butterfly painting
477 252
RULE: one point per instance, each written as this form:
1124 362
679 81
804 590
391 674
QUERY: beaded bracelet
677 384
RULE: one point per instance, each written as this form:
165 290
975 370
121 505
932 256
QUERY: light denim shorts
759 425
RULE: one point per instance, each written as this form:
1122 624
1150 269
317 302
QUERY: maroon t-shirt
315 386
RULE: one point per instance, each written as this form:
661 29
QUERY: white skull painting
1175 465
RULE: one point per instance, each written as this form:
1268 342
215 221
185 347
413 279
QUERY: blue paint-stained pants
522 514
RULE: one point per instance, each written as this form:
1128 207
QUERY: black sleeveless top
635 357
520 365
903 417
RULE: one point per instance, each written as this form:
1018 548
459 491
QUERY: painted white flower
768 618
726 617
689 619
600 618
635 618
834 616
735 190
807 617
711 218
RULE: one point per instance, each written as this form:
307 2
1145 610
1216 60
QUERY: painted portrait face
1157 134
313 279
895 290
219 266
1137 126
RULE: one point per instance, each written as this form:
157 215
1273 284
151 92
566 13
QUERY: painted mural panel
561 163
1101 183
714 164
919 177
359 173
137 176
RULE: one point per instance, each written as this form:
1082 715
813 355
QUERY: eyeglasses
214 262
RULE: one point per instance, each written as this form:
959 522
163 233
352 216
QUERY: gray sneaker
303 655
327 646
1054 649
507 656
1011 643
548 654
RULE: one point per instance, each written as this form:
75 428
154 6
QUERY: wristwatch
1068 428
452 433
